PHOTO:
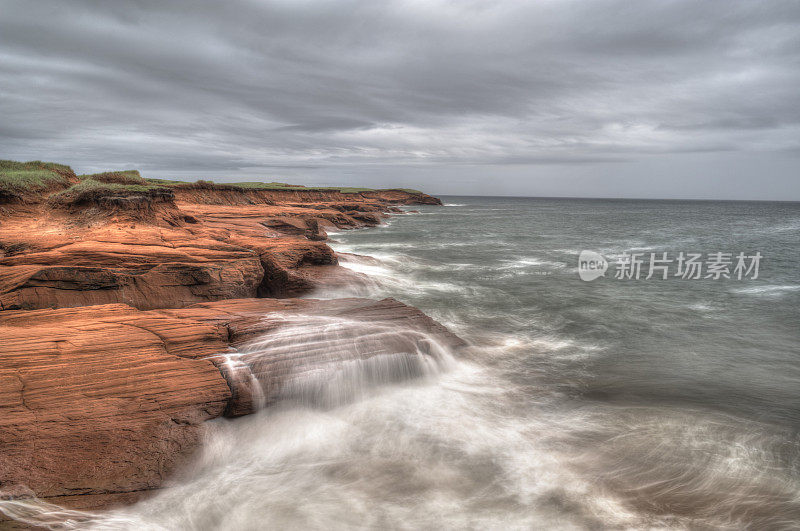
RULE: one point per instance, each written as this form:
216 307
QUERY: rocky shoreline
115 314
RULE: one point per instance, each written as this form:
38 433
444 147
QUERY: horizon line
620 198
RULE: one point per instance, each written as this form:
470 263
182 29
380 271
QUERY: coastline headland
122 299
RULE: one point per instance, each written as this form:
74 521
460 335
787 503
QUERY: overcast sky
624 98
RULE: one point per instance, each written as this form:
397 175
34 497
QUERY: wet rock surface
101 404
119 322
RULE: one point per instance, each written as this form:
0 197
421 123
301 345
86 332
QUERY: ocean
612 403
628 402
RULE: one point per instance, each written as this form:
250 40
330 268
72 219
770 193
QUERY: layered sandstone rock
169 255
113 355
221 195
99 404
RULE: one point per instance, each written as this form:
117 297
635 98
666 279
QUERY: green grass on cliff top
116 177
18 178
13 165
109 183
259 185
256 185
34 176
90 184
90 190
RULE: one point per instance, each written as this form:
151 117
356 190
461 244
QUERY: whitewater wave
380 276
441 454
327 361
528 262
769 290
702 307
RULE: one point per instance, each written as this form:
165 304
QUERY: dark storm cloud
346 86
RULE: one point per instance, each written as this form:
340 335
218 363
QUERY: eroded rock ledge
115 313
206 245
100 404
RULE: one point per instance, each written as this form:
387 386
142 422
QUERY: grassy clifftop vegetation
19 180
259 185
131 177
37 180
92 191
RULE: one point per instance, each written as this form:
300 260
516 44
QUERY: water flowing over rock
101 404
328 360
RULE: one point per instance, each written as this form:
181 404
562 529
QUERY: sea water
619 403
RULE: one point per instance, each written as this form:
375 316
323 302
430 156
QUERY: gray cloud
404 93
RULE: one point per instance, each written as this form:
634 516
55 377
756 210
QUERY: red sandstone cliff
204 245
109 355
